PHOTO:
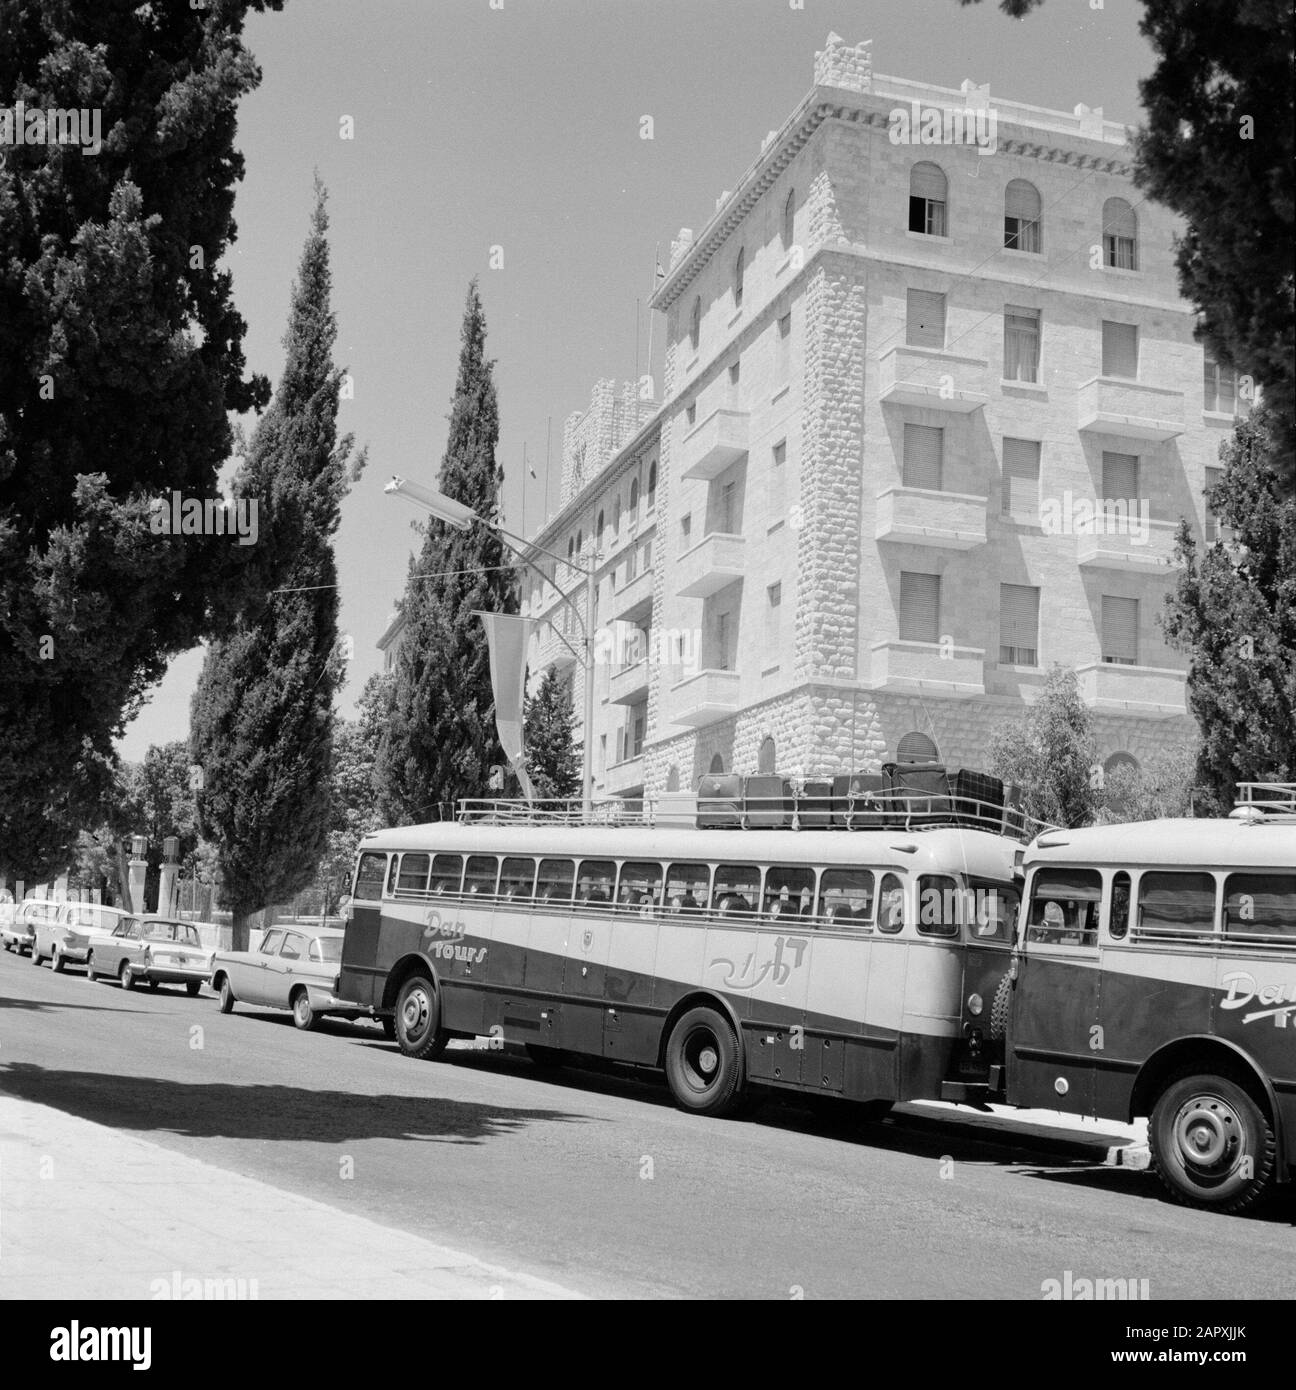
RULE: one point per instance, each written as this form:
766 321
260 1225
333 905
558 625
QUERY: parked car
153 950
293 969
68 936
20 933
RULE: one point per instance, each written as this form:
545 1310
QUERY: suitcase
719 802
768 803
815 806
857 800
978 799
918 793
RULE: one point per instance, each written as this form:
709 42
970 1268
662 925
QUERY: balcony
632 598
629 685
721 439
714 562
706 697
920 516
919 668
1153 554
1130 410
1147 690
932 379
627 776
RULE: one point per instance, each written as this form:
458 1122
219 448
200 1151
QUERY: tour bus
858 965
1156 975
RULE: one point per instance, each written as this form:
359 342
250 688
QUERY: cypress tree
441 742
553 757
262 719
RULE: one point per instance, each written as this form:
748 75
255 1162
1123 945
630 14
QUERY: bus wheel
418 1019
548 1058
1211 1143
388 1026
703 1067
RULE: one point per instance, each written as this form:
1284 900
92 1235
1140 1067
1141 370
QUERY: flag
661 274
506 641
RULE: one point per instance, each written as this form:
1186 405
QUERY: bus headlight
975 1004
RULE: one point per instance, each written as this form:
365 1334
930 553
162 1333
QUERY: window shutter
1119 349
925 319
1120 477
1021 471
927 181
919 607
923 447
1021 199
1120 630
1018 624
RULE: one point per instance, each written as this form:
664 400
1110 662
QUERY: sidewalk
89 1212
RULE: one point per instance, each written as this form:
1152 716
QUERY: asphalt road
596 1181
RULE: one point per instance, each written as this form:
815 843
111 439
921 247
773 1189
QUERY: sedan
69 936
291 969
153 950
20 932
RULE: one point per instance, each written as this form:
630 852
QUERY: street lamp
462 518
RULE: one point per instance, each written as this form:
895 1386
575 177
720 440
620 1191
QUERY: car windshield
327 949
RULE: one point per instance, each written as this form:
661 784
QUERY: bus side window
481 875
736 891
789 891
846 899
938 905
390 891
447 873
1118 918
595 882
1064 907
1260 906
413 874
517 878
555 880
1176 906
688 888
370 872
640 886
891 904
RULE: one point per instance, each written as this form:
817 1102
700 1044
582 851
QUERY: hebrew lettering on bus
1279 1001
778 969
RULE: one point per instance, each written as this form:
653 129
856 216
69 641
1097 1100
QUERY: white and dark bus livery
857 965
1156 975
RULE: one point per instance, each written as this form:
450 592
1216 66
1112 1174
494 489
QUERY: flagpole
656 265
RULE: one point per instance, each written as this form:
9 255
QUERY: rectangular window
481 874
927 192
517 878
413 874
735 372
789 891
555 880
1064 907
638 723
686 527
1176 906
1022 234
1021 344
1120 349
595 881
729 508
736 891
640 885
688 887
1260 905
1018 625
447 874
924 450
690 413
1119 631
919 607
1021 478
780 453
938 905
924 319
1219 388
846 899
724 636
1120 479
1120 251
370 873
785 347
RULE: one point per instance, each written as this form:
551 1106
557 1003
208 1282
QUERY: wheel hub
1206 1132
415 1012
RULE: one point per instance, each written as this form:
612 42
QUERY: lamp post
462 519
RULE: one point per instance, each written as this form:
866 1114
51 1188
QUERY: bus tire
418 1019
999 1007
703 1064
388 1025
546 1058
1211 1144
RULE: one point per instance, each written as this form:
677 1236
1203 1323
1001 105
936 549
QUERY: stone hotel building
931 412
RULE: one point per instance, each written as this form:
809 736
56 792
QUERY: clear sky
519 127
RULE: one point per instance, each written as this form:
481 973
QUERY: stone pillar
138 870
170 868
60 889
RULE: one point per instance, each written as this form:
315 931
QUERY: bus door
1054 1037
931 1023
630 1032
362 977
589 941
874 1073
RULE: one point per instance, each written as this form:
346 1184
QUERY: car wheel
57 963
226 995
303 1015
35 959
418 1019
703 1064
152 984
90 968
192 987
1211 1144
125 976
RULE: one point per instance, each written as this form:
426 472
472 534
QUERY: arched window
616 518
580 543
634 502
766 758
928 194
1117 760
740 266
652 484
1120 235
717 763
695 323
789 219
917 748
672 779
598 530
571 546
1022 217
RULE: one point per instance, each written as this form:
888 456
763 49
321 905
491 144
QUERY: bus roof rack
1264 801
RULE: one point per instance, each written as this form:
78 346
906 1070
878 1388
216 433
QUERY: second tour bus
862 965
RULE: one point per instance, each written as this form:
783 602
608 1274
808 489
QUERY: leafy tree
1162 787
262 721
1234 613
441 742
552 754
120 356
355 803
1218 149
1051 753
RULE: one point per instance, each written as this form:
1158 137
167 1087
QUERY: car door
247 969
108 951
286 968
